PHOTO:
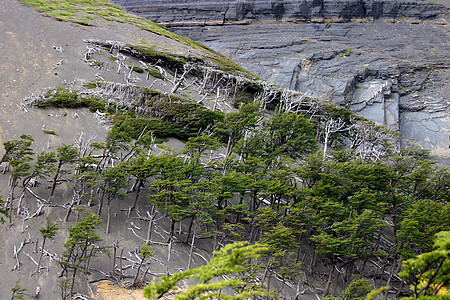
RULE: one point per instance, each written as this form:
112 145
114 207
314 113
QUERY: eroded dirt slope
39 53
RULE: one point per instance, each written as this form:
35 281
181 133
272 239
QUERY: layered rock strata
185 11
393 71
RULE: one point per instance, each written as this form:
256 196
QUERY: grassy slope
90 12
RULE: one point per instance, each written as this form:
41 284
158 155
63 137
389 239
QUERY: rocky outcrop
392 71
188 11
395 74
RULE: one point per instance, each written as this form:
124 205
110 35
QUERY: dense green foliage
166 116
242 177
429 272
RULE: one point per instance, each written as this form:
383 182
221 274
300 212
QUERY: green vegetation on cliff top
89 12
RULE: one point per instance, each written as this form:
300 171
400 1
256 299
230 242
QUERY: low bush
61 97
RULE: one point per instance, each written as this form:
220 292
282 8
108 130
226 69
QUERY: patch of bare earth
106 290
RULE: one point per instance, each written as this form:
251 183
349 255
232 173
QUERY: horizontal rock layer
185 11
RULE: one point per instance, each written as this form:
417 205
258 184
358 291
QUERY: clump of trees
78 251
355 213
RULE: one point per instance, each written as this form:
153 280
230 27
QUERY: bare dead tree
372 142
266 94
191 250
290 101
16 253
91 51
177 83
332 126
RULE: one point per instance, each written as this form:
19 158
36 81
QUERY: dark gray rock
392 72
186 11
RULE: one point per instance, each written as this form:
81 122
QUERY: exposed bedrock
169 11
392 72
395 74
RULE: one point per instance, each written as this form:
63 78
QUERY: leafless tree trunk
187 69
120 263
330 277
151 217
108 219
191 250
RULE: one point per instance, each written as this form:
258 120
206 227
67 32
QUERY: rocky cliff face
393 71
232 10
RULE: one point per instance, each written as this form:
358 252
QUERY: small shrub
97 63
155 73
69 99
91 85
51 132
138 69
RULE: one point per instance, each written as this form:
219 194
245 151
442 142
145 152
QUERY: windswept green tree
65 155
288 134
236 124
140 168
196 146
220 189
79 249
229 260
144 255
18 154
48 232
429 273
422 220
113 185
44 167
173 189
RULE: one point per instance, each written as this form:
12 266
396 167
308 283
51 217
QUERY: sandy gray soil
31 62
